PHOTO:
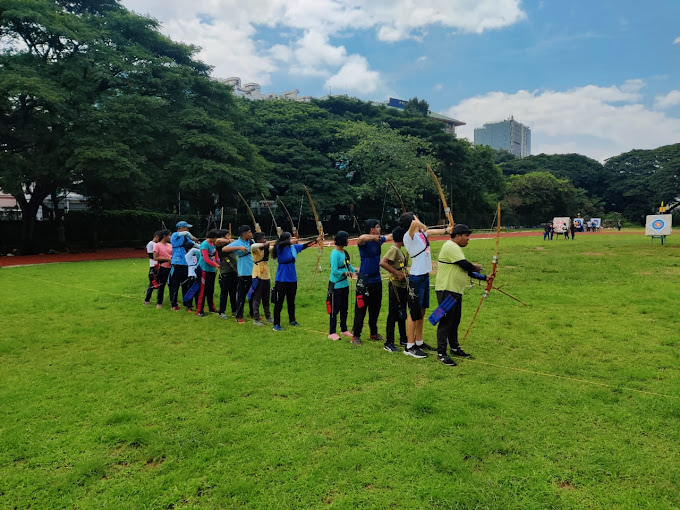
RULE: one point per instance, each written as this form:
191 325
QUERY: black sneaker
446 360
460 353
200 314
426 347
403 343
391 348
415 352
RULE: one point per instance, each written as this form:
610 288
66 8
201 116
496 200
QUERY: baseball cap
183 224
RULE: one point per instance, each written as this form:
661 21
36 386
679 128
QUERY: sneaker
403 343
415 352
334 336
391 348
277 328
294 323
147 302
356 340
224 316
159 306
426 347
200 314
377 338
175 308
460 353
240 320
270 320
258 323
346 333
189 309
446 360
213 311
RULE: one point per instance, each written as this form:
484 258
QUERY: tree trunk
28 214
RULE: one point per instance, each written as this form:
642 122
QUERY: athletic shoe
258 323
175 308
277 328
224 316
294 323
377 338
240 320
460 353
403 343
391 348
159 306
415 352
189 309
446 360
213 311
425 347
270 320
356 340
334 336
346 333
200 314
147 302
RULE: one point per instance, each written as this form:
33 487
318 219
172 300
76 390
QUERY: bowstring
486 250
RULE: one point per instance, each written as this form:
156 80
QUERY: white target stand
659 226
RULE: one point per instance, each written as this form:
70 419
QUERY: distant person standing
179 275
589 226
338 286
208 264
162 253
245 269
546 231
552 231
261 284
566 231
618 225
573 230
395 262
153 269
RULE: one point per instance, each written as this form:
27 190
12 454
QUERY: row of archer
245 262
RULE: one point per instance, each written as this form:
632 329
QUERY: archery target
659 225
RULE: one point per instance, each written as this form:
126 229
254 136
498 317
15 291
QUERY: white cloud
669 100
599 122
677 40
229 37
355 76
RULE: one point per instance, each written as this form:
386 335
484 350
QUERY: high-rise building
508 135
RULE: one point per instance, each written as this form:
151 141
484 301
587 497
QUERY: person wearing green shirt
452 278
395 262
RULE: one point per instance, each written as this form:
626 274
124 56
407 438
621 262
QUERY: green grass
572 402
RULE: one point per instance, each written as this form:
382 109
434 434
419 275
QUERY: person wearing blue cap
179 275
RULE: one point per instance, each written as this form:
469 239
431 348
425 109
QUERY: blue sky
596 77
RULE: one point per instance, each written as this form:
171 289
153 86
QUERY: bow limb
447 209
494 271
278 229
252 216
320 239
394 188
293 229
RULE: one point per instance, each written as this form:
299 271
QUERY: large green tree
93 96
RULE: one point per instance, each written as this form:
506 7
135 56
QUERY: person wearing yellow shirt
452 278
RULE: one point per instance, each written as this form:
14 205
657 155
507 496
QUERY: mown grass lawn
572 402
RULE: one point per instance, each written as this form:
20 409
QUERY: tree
415 107
92 95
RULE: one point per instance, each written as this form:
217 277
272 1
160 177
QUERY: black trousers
447 330
244 283
284 291
228 289
206 291
396 301
261 295
372 304
340 305
153 282
179 278
162 279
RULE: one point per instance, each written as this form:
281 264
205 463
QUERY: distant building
449 123
252 91
507 135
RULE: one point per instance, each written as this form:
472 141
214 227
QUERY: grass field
572 402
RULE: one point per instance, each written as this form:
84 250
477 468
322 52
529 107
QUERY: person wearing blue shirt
369 283
179 275
244 268
286 250
207 262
